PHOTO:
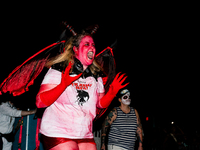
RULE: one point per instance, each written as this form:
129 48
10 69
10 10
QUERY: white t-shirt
7 117
72 114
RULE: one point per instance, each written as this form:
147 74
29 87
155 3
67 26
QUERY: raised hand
116 85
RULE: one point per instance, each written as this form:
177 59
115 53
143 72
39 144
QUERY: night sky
152 49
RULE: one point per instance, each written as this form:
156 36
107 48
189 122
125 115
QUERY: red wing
24 75
106 59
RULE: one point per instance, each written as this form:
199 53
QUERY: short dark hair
122 92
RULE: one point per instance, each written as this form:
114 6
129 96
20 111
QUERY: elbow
100 106
39 102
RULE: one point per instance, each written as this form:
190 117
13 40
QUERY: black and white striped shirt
123 130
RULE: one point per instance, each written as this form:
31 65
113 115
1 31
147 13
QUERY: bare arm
13 112
108 121
139 130
25 113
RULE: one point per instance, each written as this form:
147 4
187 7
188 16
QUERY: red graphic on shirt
80 86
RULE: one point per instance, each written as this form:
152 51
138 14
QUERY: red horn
95 29
70 28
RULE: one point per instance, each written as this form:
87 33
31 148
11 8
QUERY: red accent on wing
105 50
100 112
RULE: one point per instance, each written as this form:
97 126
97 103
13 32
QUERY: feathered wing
19 80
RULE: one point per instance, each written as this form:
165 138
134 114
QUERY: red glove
115 86
49 97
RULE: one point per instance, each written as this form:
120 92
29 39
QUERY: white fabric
71 115
7 117
113 147
6 145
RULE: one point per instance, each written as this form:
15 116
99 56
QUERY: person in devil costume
71 90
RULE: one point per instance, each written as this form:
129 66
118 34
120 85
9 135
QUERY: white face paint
126 99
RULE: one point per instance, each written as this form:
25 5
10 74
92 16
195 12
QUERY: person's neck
84 67
125 108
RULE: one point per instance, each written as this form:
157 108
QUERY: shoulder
52 72
7 110
111 116
4 104
99 79
135 110
136 113
114 110
113 113
52 76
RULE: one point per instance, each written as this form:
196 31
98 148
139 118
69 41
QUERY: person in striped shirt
124 123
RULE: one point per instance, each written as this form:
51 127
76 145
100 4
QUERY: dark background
155 50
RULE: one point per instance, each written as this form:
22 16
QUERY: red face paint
86 51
